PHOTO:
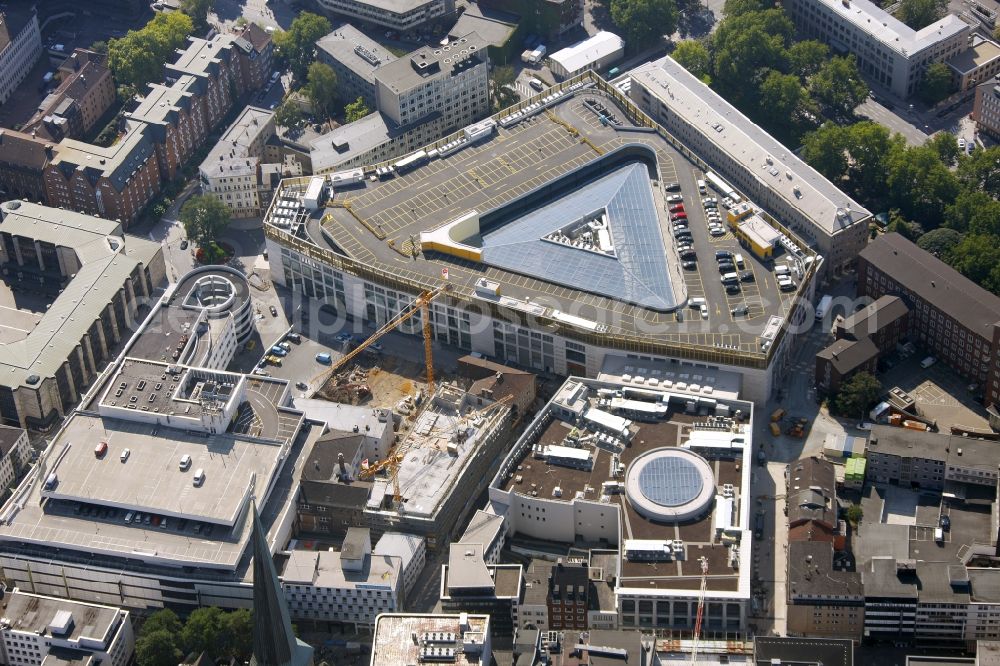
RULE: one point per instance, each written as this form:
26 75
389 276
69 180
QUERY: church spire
274 642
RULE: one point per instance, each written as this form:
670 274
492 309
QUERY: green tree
738 7
693 56
137 58
920 185
356 110
237 633
854 514
857 394
99 46
939 242
321 87
977 257
297 45
198 11
921 13
936 84
825 149
203 632
974 211
204 217
161 620
981 171
157 648
288 114
502 93
644 21
807 57
869 147
783 95
838 86
946 146
745 47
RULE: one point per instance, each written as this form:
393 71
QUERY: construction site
427 481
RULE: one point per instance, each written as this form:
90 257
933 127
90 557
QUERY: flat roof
323 569
588 51
150 480
955 449
35 613
925 276
667 374
429 472
891 32
355 51
384 215
978 54
762 156
493 25
531 476
336 416
346 142
803 651
430 63
392 644
108 259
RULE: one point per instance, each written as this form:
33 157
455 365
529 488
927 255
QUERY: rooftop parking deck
376 222
150 479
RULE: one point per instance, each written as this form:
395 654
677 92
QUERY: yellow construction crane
390 464
421 304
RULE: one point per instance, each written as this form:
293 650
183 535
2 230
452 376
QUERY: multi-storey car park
143 497
644 461
551 223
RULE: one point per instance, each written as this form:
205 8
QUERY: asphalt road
896 120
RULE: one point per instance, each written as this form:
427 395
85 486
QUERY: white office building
420 98
20 47
890 54
14 450
351 586
232 170
392 14
36 629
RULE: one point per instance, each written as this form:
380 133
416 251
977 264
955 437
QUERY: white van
701 187
696 303
928 362
199 477
730 278
185 462
781 269
129 516
738 260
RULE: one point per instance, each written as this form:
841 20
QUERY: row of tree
784 85
136 60
937 195
164 640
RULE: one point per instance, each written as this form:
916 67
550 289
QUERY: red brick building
85 92
171 122
175 124
569 596
258 51
950 316
115 183
22 162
